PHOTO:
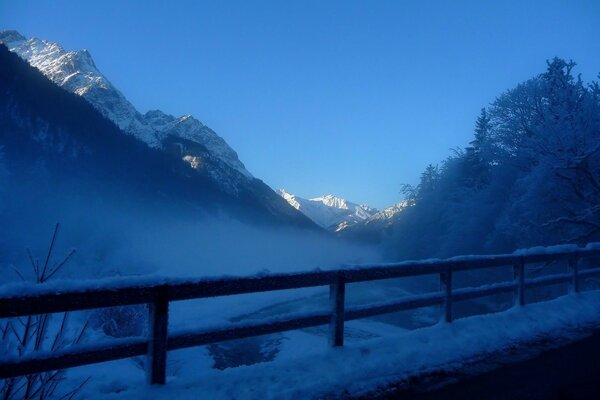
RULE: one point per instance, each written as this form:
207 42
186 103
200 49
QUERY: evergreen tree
429 180
479 155
482 133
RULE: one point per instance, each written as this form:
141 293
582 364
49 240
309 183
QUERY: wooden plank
337 298
446 289
546 257
519 278
157 346
183 340
477 292
548 280
418 268
390 271
71 357
73 301
234 286
590 272
574 269
408 303
426 267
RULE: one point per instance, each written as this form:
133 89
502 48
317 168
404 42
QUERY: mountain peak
76 72
328 211
332 201
283 193
84 57
10 36
93 147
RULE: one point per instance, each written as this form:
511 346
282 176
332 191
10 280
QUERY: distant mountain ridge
329 211
374 228
349 220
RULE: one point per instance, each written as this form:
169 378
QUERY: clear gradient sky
352 98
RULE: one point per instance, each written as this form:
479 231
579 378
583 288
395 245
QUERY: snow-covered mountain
76 72
372 229
162 143
387 213
329 211
350 220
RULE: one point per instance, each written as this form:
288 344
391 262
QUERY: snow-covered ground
375 354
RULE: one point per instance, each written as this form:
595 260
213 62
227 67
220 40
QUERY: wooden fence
159 295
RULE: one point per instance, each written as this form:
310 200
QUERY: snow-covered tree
429 180
530 176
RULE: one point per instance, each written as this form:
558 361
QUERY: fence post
574 268
519 278
446 287
157 346
337 294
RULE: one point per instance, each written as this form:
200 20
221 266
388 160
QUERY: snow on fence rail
158 294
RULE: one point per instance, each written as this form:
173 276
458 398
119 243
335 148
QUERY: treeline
530 176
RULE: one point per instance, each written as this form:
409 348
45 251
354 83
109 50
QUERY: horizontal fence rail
43 299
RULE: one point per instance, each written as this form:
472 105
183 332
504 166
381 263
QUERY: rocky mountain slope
374 228
346 219
76 72
48 128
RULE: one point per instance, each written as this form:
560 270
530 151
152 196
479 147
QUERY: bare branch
50 251
16 271
57 268
41 331
82 332
59 335
74 392
33 263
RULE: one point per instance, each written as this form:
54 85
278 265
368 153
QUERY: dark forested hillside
530 176
55 138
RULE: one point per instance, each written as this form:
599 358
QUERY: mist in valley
116 237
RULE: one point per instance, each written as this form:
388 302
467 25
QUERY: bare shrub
26 335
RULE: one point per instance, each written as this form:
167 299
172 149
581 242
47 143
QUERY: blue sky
352 98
